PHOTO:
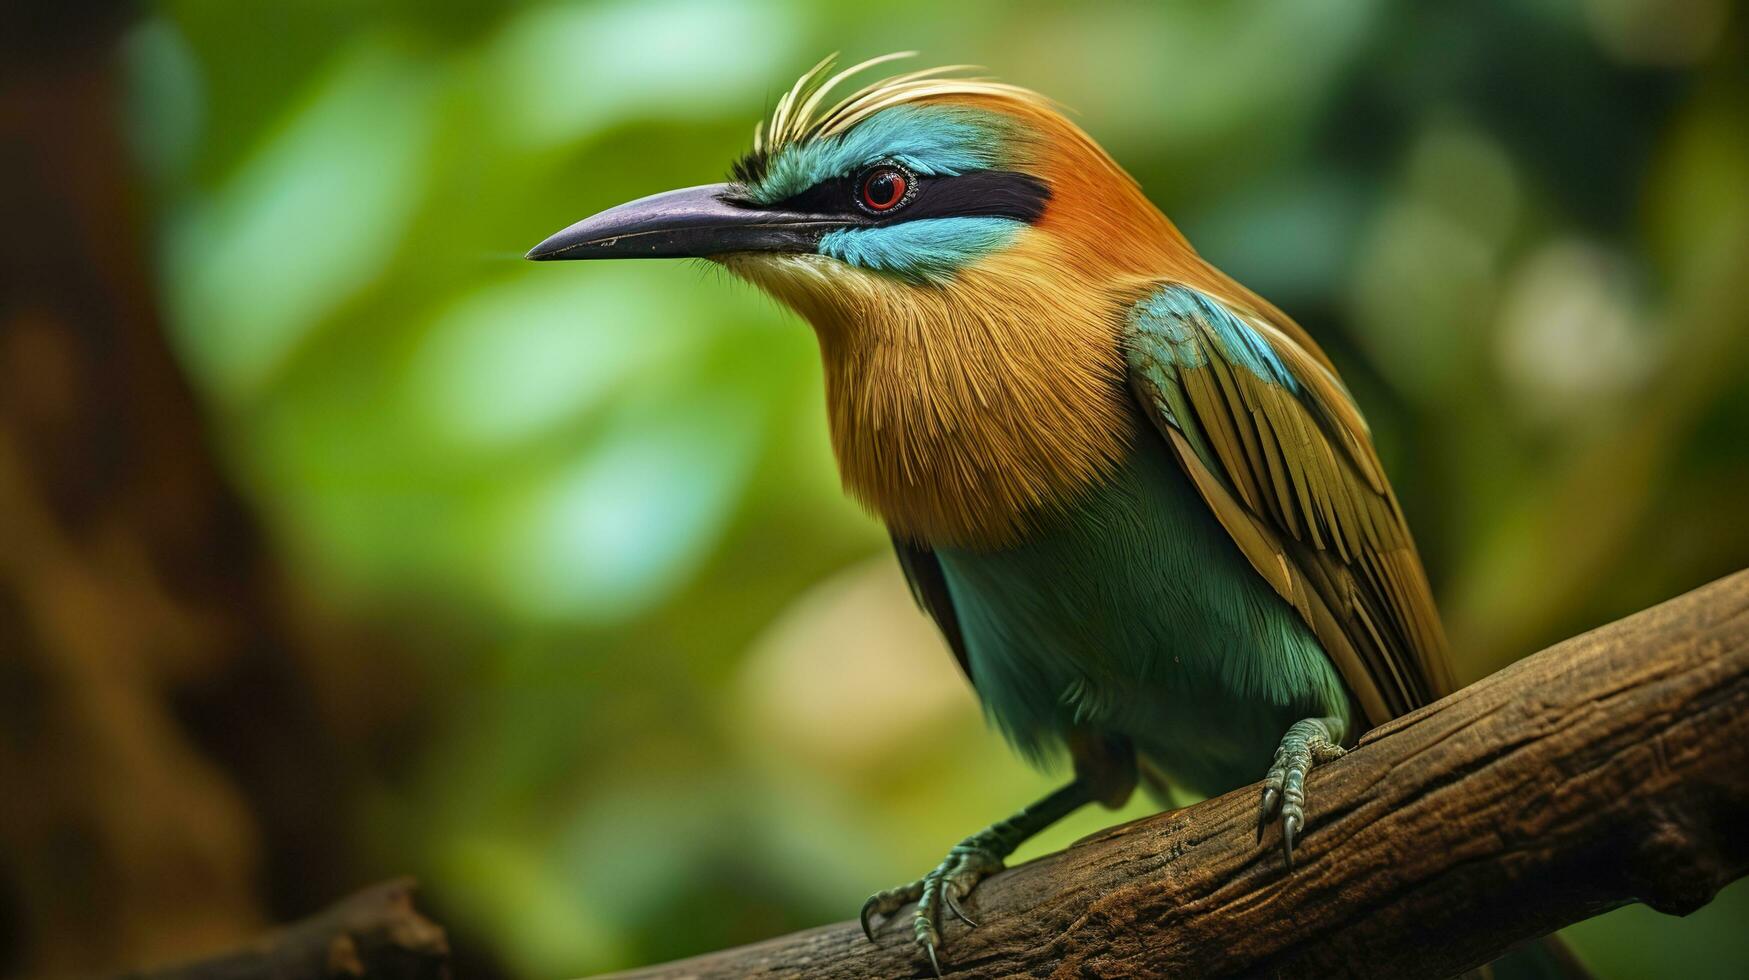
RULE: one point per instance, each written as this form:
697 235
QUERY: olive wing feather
1280 453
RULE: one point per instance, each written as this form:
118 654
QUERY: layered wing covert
1278 450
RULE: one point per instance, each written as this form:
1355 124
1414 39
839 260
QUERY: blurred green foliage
681 698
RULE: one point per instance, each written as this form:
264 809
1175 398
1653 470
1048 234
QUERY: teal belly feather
1132 611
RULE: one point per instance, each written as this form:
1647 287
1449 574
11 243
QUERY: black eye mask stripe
979 194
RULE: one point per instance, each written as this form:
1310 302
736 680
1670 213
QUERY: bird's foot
1307 743
969 862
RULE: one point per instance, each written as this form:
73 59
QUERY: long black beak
693 222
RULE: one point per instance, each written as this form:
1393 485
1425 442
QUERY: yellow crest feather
802 113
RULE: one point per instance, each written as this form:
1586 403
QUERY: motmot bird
1135 496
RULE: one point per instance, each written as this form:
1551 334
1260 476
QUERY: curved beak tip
543 252
570 239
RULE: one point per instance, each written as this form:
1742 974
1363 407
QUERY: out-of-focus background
339 542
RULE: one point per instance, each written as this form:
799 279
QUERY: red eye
884 188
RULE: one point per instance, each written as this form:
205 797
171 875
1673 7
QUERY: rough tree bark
1608 769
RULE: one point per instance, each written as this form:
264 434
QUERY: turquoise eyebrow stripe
921 251
944 140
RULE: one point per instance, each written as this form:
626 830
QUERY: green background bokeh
683 700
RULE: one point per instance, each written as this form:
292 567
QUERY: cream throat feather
955 412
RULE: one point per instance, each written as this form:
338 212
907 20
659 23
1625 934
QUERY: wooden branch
375 934
1611 768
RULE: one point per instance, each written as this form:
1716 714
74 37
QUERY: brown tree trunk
140 618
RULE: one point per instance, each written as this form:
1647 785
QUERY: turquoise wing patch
1281 455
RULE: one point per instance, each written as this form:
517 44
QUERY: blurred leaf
308 220
610 535
680 59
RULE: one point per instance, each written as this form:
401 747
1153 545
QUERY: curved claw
953 905
926 934
965 865
884 904
1307 744
1271 797
867 913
